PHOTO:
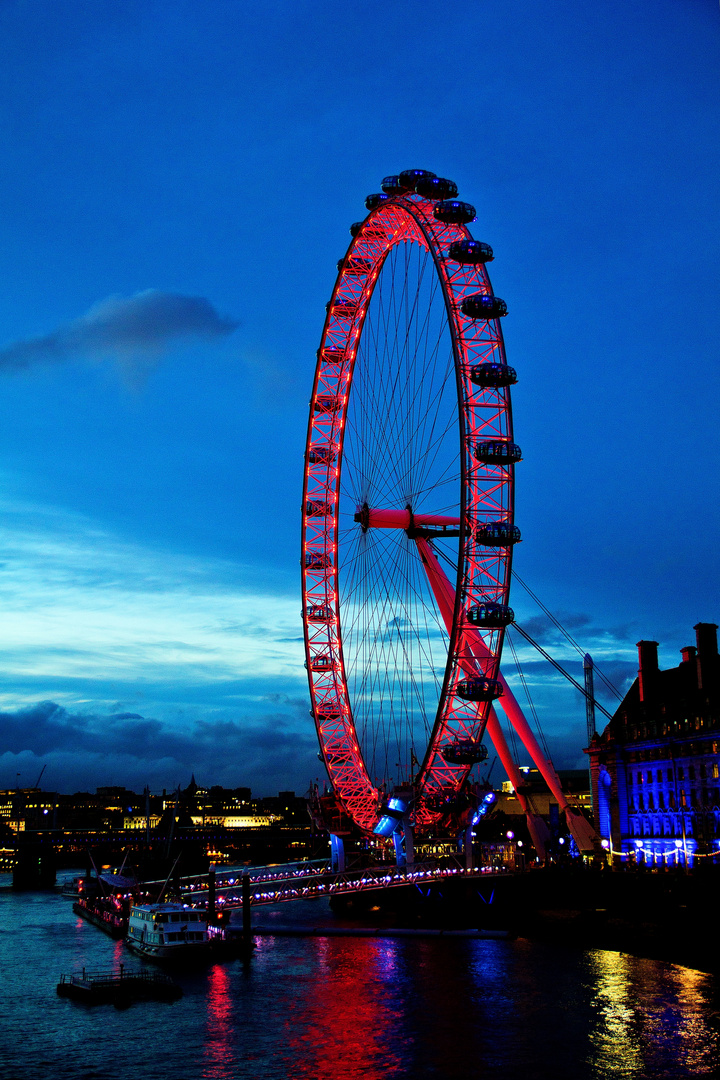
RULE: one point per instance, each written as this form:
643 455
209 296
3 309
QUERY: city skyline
178 185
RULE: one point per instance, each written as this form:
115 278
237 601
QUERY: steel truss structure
380 369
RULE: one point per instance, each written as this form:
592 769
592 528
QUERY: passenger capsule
483 306
327 403
321 662
453 212
490 615
465 751
317 560
470 252
497 534
318 508
408 178
374 200
436 187
391 185
499 452
356 227
494 375
479 688
322 455
319 613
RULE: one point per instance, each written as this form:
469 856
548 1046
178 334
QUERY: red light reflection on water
342 1024
219 1043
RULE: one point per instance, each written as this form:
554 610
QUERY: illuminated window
683 801
715 771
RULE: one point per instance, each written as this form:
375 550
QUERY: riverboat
104 901
168 932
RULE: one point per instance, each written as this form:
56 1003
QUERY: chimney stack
707 654
688 654
648 673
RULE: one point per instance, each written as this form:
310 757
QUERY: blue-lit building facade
655 769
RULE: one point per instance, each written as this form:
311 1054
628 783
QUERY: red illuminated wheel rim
393 483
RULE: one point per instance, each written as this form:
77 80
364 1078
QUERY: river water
341 1008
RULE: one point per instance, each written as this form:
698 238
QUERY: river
341 1008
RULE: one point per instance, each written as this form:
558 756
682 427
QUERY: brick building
655 767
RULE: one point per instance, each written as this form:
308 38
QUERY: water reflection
219 1050
650 1019
344 1021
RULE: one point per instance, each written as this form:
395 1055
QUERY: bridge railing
349 881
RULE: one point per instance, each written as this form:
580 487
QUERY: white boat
168 932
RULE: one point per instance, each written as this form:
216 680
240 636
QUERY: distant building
656 766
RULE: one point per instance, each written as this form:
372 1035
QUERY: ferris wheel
408 511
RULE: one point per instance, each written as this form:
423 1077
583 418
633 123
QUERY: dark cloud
125 328
268 752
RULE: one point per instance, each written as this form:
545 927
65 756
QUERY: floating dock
118 987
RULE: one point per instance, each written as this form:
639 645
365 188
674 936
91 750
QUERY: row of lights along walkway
318 884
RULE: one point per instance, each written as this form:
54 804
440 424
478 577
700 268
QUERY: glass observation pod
327 403
497 534
484 306
391 185
408 178
436 187
318 508
317 560
498 453
374 200
322 455
479 688
494 375
453 212
319 613
464 752
355 228
490 615
470 252
323 662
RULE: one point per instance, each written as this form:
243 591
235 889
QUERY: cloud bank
143 325
269 752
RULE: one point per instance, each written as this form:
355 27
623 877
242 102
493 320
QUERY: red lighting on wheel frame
487 497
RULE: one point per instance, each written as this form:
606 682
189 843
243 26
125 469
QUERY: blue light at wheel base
391 817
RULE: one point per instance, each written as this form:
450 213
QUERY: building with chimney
656 767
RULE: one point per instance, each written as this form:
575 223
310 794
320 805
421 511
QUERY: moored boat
105 902
168 932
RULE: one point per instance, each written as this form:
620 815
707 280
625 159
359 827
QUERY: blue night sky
176 182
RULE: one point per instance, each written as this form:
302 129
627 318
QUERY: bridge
317 879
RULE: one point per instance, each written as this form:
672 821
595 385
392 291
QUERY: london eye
408 511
